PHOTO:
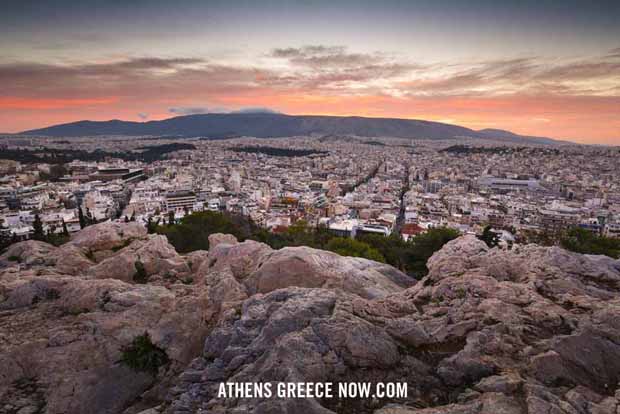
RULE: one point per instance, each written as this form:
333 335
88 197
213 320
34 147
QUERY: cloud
196 110
614 53
192 110
318 79
256 110
143 116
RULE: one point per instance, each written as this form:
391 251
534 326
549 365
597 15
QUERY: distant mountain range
269 125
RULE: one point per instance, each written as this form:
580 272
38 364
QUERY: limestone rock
66 334
487 331
108 235
219 238
155 253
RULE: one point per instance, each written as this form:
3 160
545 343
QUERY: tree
151 226
489 237
5 240
350 247
133 216
584 241
171 218
37 226
422 248
65 231
89 217
81 217
192 231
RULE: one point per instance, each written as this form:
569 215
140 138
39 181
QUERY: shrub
350 247
144 356
140 276
192 231
586 242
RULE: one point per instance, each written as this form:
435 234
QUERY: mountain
265 125
504 135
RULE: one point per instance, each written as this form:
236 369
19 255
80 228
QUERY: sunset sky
548 68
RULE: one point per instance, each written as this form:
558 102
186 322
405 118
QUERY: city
349 185
310 207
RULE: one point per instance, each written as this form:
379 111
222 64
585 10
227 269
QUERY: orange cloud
577 100
48 103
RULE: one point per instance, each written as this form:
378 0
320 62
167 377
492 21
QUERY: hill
267 125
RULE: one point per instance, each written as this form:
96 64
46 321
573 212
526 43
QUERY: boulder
154 252
108 235
219 238
62 337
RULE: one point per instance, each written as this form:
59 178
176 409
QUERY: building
118 173
180 200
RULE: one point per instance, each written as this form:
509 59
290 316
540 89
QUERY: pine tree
81 217
489 237
65 231
170 218
37 225
89 217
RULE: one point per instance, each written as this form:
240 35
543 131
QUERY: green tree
65 231
423 246
489 237
37 226
584 241
351 247
81 217
89 217
171 220
192 231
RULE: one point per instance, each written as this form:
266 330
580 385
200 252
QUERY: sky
545 68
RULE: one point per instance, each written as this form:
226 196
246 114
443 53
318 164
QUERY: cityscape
310 207
347 184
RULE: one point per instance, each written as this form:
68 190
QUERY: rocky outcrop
65 334
67 259
66 313
531 330
108 236
161 262
235 271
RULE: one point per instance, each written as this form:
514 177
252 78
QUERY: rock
108 235
219 238
307 267
516 328
29 254
155 253
527 330
505 384
64 320
68 332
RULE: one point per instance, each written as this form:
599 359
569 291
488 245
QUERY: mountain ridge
269 125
